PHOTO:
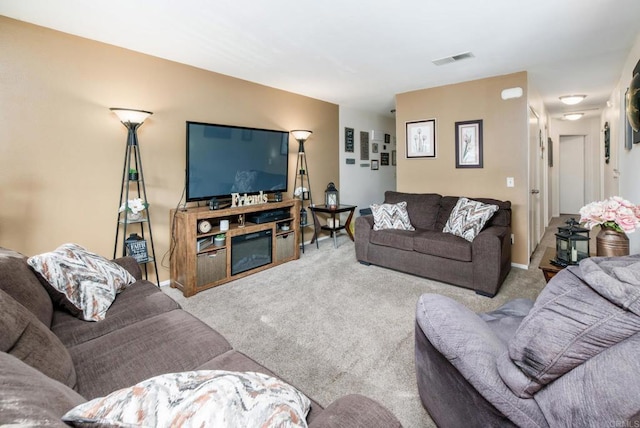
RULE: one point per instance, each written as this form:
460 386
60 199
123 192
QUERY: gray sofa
51 361
481 265
568 360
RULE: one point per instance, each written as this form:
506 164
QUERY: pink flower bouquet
615 212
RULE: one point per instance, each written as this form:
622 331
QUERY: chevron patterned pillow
205 398
86 283
391 216
468 218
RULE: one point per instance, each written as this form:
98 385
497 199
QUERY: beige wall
505 139
62 150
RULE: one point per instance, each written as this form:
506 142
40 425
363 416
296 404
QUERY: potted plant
133 174
134 208
219 239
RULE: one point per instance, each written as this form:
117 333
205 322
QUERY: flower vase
611 243
131 216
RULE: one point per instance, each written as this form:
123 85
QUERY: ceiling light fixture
573 116
572 99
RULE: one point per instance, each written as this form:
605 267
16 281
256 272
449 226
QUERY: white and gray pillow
468 218
205 398
87 282
391 216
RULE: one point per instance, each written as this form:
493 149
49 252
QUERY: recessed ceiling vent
453 58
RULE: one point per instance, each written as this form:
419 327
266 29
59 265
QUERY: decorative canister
611 243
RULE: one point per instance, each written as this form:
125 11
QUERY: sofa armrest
457 375
131 265
355 411
364 226
491 254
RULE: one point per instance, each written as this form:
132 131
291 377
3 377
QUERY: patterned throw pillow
468 218
391 216
205 398
87 282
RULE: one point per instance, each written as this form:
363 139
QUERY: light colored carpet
331 326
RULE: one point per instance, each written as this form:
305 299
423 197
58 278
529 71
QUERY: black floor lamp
133 183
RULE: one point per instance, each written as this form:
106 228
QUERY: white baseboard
518 265
166 283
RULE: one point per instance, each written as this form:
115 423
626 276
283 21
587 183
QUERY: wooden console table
332 212
549 270
197 263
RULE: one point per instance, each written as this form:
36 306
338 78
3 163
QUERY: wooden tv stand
197 264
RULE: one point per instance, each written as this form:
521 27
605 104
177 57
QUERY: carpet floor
331 326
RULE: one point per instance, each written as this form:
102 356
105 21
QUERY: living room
62 147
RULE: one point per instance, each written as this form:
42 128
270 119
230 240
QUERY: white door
535 227
571 173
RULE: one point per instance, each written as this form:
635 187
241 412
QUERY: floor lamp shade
127 115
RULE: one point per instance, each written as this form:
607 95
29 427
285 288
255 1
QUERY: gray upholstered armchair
569 359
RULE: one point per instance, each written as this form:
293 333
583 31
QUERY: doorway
571 173
535 181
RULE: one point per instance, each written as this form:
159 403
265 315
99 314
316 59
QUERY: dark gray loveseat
481 265
51 361
568 360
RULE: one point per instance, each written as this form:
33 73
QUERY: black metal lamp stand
302 173
132 120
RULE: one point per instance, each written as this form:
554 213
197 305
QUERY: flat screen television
225 159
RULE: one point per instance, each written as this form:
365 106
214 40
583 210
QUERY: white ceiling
359 54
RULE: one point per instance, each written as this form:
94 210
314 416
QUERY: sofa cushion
208 398
442 245
30 398
137 302
26 338
391 216
468 217
19 281
401 239
423 208
572 321
170 342
85 282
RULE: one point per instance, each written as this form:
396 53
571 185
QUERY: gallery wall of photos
375 149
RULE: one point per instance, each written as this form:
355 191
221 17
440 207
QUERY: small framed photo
469 144
393 157
374 164
421 139
384 158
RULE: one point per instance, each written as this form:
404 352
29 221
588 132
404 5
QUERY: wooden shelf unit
194 270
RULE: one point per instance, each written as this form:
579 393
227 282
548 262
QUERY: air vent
453 58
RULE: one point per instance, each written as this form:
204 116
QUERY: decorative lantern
572 243
303 217
331 199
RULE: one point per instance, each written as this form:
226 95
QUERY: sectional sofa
52 360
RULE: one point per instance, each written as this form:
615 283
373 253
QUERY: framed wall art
364 145
384 158
348 140
469 144
374 164
421 139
